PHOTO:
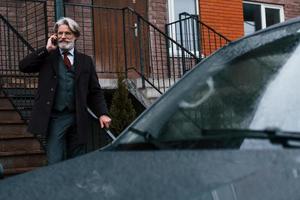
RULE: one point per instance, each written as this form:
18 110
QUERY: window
184 28
258 16
178 6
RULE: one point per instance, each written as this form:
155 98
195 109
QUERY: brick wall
291 7
226 17
50 15
83 16
158 13
28 18
34 28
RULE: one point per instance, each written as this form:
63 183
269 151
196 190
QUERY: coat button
52 89
54 77
48 103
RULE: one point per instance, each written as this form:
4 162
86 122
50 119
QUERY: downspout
59 9
1 171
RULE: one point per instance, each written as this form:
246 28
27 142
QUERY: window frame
171 18
263 7
171 10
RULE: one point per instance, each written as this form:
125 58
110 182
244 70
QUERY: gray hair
74 27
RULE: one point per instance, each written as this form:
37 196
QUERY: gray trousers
62 141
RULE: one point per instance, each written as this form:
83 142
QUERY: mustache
67 45
64 41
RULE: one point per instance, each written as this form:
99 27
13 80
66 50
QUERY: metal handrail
16 33
107 131
186 54
145 78
6 73
137 14
204 39
161 32
207 26
15 44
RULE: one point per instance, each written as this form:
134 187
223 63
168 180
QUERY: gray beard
66 46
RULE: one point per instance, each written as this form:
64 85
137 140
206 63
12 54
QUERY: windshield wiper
157 144
221 138
285 138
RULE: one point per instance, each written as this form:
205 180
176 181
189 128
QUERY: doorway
109 34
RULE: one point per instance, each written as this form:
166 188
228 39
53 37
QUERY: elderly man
68 84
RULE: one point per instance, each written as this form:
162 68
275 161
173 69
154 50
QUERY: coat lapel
55 58
77 64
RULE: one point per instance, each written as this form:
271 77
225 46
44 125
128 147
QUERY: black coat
88 92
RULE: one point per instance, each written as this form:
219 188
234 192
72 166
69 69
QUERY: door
109 34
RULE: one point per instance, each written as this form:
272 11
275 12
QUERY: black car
246 90
228 130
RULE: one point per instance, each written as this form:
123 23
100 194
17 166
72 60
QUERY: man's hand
51 43
104 121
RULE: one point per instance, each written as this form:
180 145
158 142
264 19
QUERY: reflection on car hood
188 175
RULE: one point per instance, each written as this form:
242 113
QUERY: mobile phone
54 41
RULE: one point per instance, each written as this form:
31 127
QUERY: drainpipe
59 9
1 171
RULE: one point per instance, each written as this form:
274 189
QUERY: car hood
189 175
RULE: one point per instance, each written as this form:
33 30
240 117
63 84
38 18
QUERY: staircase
19 151
153 61
148 94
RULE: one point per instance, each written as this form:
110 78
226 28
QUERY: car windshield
251 85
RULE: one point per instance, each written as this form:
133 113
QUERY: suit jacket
88 92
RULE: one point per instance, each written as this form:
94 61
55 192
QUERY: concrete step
159 83
19 151
22 159
15 121
5 103
150 93
19 92
19 144
7 114
31 85
21 135
13 128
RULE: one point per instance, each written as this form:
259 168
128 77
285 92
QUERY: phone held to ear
54 41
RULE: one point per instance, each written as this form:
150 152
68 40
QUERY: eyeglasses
67 34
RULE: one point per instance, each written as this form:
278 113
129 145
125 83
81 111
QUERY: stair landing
20 151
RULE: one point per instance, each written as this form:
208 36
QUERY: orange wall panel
226 17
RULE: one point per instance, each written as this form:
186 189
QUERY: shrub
121 111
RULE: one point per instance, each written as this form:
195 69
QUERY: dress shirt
70 55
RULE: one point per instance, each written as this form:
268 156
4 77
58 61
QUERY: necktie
66 60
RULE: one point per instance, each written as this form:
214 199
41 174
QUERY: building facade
103 34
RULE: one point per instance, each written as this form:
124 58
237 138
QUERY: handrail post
181 42
124 43
141 50
199 36
168 50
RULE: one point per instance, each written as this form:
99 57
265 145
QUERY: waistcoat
65 91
